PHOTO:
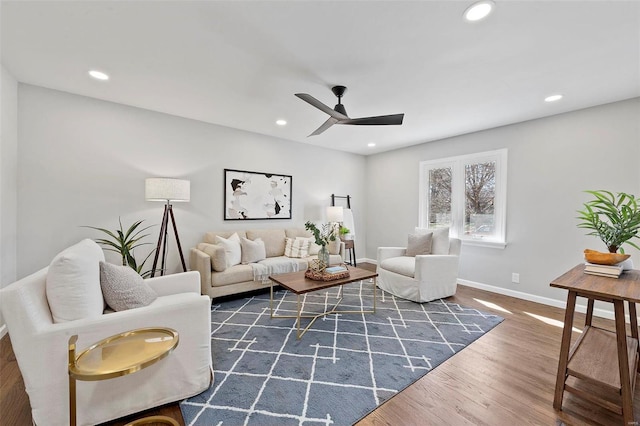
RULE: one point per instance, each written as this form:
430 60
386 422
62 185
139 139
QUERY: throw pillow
232 249
297 248
440 241
217 254
73 282
419 244
334 247
123 288
313 247
252 251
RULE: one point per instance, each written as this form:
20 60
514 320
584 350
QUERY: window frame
458 196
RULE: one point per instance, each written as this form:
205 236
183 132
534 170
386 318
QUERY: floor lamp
167 190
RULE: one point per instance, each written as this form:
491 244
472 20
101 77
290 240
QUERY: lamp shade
334 214
167 189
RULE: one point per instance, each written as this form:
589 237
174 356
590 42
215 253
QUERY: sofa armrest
201 262
185 282
437 267
388 252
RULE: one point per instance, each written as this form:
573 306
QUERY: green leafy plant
344 230
614 218
124 243
323 236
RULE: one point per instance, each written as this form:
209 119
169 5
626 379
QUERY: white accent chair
424 277
41 349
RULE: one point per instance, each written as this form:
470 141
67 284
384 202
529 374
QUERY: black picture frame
252 195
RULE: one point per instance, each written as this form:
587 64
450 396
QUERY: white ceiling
239 63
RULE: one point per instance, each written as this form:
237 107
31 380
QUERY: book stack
612 271
335 270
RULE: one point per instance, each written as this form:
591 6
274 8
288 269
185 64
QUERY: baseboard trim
3 330
603 313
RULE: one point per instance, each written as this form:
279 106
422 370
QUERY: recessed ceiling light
281 122
98 75
371 144
553 98
478 11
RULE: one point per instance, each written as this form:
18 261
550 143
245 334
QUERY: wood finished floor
506 377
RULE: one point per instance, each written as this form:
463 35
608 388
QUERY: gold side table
119 355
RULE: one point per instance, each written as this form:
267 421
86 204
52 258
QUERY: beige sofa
219 279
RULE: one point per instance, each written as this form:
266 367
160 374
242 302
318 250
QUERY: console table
117 356
606 359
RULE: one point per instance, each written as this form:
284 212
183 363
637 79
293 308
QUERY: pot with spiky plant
614 218
124 243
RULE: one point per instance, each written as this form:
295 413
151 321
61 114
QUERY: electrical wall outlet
515 278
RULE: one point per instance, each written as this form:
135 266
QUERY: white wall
83 161
551 162
8 175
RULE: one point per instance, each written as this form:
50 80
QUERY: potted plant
614 218
344 231
124 242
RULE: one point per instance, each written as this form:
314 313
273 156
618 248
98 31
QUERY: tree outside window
466 194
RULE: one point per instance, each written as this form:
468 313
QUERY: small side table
350 247
606 361
117 356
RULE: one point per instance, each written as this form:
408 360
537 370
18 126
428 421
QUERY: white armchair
419 278
41 349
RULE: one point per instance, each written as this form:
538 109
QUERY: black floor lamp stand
162 241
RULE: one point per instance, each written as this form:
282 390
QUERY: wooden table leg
623 362
589 318
564 350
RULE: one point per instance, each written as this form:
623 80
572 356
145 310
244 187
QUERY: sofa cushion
216 253
210 237
233 275
73 282
403 265
231 245
297 232
439 241
123 288
273 240
252 251
419 243
298 247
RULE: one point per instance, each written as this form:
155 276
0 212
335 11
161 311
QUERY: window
466 194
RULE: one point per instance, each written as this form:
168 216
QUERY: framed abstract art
256 195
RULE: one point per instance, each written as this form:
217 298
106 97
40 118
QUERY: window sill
484 243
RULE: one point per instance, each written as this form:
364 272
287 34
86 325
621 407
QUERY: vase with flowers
323 237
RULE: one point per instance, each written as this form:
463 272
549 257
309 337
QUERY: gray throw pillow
252 251
419 244
123 288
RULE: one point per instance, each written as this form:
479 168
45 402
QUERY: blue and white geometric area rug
339 371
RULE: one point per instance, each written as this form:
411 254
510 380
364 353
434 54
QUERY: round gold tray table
119 355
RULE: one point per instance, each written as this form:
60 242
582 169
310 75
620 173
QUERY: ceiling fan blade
381 120
330 122
322 107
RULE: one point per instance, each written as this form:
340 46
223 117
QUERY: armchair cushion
440 240
403 265
123 288
419 244
73 282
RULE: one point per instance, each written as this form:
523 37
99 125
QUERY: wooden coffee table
297 283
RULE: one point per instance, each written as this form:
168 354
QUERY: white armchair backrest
454 246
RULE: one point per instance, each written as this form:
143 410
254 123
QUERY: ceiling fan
338 115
